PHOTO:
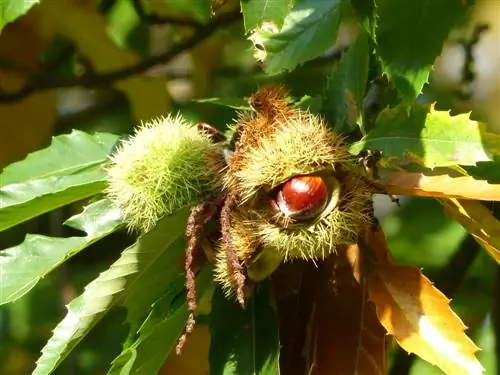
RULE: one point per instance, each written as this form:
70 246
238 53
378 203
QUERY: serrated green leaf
244 341
12 9
108 288
70 169
236 103
160 278
66 155
308 30
26 200
255 12
429 138
22 266
346 87
410 35
160 330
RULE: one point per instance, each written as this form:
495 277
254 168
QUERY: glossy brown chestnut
302 196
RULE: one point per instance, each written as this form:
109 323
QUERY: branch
41 82
155 19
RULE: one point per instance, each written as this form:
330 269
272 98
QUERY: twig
90 80
448 281
155 19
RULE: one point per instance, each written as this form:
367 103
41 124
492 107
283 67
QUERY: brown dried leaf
344 334
441 186
419 316
478 221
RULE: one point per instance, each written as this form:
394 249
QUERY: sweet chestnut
302 196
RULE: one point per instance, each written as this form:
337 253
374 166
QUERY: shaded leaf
66 155
292 284
108 288
24 265
255 12
346 336
489 171
160 330
479 222
410 35
308 30
347 85
441 186
12 9
244 341
423 136
419 317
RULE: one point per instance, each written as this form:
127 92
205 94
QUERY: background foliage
101 67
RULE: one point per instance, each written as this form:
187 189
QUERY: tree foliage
336 316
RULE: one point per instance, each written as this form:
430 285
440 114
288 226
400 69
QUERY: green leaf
308 30
160 278
410 35
346 87
366 13
244 341
85 311
69 170
24 265
12 9
161 329
255 12
24 201
429 138
66 155
236 103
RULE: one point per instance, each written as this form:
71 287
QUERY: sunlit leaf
12 9
24 265
424 137
410 35
440 186
479 222
107 289
24 201
347 85
160 330
66 155
244 341
419 317
69 170
308 30
255 12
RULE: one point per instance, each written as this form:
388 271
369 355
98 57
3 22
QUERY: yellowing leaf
419 316
442 186
478 221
